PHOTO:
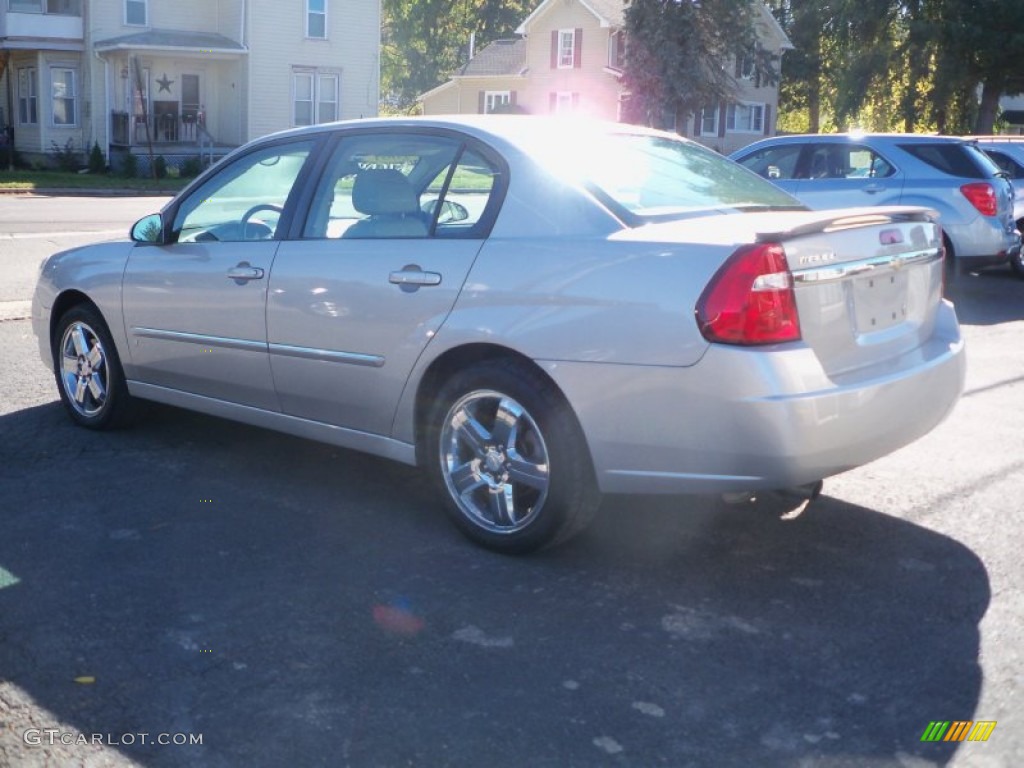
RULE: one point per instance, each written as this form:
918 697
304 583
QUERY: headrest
383 190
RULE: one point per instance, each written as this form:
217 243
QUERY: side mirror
148 230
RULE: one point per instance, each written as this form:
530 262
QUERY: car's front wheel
88 371
510 458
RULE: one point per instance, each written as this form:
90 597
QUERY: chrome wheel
83 369
494 461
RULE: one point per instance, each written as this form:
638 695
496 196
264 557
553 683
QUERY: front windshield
653 176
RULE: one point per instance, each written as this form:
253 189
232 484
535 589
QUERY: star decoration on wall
164 83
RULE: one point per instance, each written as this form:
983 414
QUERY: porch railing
164 128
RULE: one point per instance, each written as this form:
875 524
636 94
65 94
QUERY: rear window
952 159
660 177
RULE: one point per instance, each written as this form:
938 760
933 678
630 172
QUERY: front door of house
191 106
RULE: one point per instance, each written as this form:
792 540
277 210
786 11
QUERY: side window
949 158
244 201
774 162
399 186
459 206
1006 163
840 161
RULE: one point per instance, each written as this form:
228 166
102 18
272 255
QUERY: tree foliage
682 54
426 41
908 65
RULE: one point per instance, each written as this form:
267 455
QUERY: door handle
244 272
414 276
873 188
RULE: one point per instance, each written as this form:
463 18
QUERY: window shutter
575 101
577 52
481 107
552 101
554 48
767 119
722 111
698 119
512 97
739 65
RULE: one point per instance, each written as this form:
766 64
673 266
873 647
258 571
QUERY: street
291 603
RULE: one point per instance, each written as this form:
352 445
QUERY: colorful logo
958 730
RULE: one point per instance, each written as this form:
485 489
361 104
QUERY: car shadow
987 297
298 604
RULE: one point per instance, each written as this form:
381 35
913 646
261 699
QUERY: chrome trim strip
200 338
836 272
327 355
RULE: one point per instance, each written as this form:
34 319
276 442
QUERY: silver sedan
534 311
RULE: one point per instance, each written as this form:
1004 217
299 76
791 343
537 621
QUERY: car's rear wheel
1017 262
510 459
88 371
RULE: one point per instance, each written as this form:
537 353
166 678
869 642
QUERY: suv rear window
952 159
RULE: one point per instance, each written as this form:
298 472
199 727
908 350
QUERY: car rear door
373 273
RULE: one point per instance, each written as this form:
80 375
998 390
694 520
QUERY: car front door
394 224
195 307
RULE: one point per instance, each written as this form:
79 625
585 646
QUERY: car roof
522 131
903 138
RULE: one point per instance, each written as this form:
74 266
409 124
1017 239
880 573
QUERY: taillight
982 196
750 299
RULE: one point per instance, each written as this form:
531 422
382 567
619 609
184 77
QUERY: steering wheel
265 231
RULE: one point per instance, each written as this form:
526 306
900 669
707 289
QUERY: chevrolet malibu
535 312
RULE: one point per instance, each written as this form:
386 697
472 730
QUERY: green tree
981 43
426 41
682 55
805 88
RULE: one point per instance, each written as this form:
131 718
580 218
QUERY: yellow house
569 59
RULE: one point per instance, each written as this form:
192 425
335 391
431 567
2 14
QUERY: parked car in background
947 174
535 311
1008 153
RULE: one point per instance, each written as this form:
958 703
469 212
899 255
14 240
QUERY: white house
569 58
186 75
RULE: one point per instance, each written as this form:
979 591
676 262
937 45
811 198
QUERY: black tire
1017 262
510 459
88 371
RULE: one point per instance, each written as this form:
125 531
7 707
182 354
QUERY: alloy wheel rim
495 461
83 369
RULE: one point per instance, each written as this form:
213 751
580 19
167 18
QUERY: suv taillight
750 299
982 196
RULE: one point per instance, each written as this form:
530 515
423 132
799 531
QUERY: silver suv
948 174
1008 153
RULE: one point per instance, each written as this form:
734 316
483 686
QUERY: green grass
29 181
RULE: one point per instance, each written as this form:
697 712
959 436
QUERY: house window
26 6
566 48
62 80
28 101
745 68
617 50
745 118
709 121
136 12
495 99
315 97
316 19
327 98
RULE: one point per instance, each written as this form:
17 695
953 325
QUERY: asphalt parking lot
289 603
